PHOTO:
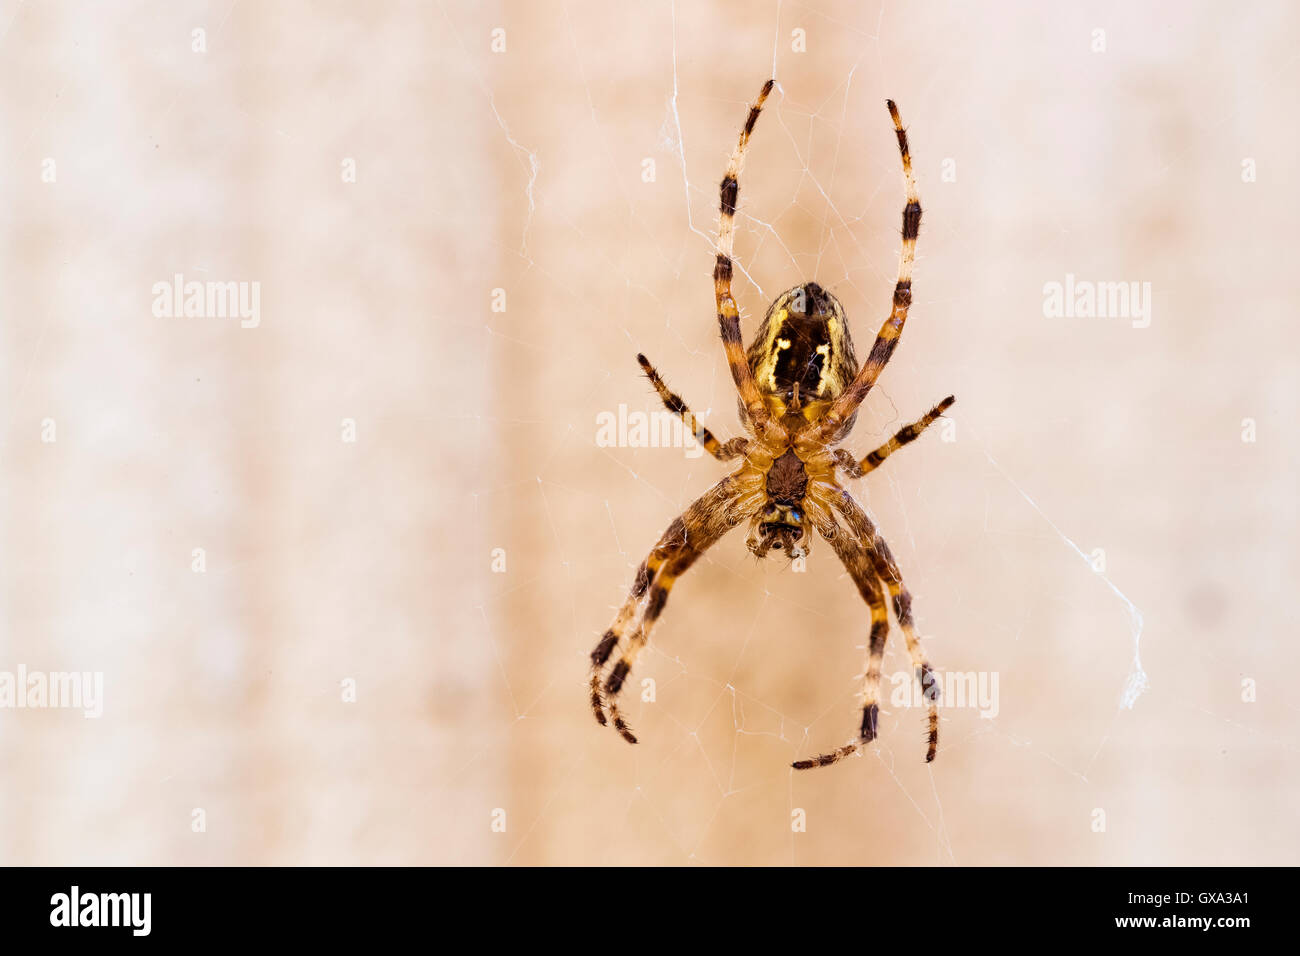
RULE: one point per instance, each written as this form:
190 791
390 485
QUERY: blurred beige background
576 170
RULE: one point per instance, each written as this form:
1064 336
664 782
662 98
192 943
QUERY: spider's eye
796 514
771 509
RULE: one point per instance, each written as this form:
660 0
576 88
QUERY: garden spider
799 388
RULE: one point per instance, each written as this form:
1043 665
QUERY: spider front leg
658 597
902 599
689 536
855 560
882 559
735 448
868 560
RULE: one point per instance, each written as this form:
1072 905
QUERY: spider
799 388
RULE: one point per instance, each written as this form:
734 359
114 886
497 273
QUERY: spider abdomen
804 341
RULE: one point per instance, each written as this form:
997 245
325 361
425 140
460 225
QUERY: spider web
826 170
1063 504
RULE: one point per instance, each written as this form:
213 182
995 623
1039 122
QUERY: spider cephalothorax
782 521
799 387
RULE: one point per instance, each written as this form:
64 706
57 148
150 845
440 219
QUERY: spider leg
728 314
905 435
887 568
887 338
863 550
853 555
723 452
902 600
702 524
